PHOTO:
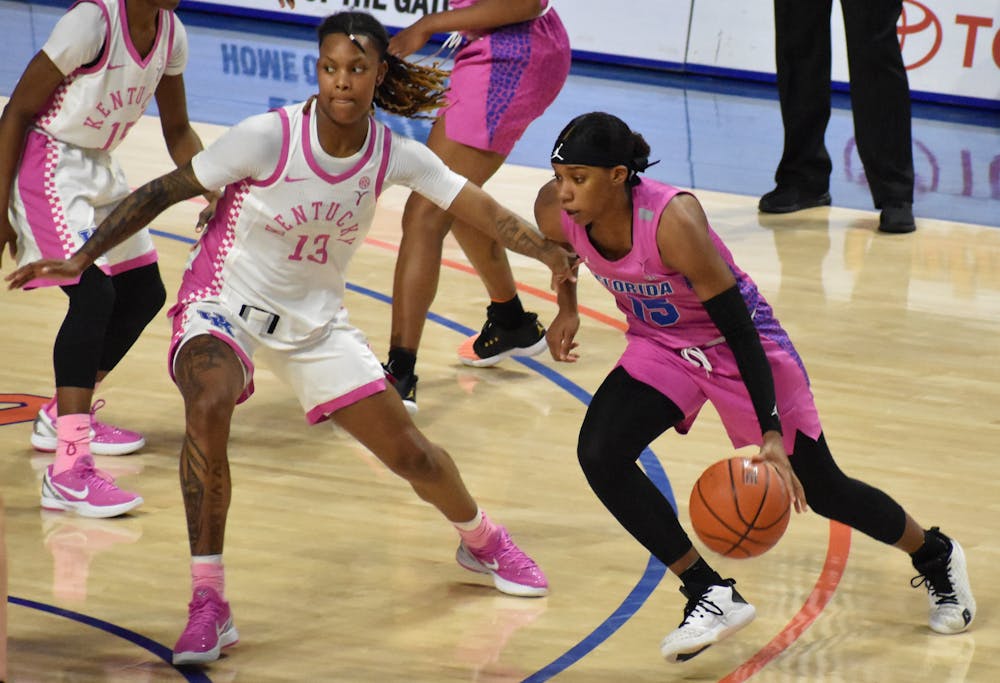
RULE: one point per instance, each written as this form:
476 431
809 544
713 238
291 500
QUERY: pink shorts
689 383
505 79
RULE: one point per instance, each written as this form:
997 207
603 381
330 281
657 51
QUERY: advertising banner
951 47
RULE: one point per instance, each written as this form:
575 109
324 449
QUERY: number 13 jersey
292 216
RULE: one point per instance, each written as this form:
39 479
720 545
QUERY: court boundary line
162 651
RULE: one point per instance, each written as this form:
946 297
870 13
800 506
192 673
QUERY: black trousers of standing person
880 95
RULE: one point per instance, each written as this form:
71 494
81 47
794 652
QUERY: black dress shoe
789 199
897 219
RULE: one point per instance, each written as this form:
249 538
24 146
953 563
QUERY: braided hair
407 89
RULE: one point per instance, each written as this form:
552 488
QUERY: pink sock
73 441
477 536
207 572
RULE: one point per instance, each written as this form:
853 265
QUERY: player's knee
596 440
425 219
595 455
155 298
208 410
414 458
415 466
91 301
141 295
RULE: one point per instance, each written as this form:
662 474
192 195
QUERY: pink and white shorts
60 195
329 371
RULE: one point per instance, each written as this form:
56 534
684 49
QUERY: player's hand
561 262
50 269
8 238
560 336
205 215
410 39
773 452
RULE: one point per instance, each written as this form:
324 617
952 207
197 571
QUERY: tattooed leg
210 378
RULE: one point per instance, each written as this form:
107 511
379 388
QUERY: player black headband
575 150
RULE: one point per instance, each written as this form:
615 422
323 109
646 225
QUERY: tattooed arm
131 215
475 207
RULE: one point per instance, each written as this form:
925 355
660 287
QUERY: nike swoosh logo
290 179
79 495
493 565
112 67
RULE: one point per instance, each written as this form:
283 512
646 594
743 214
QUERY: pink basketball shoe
105 439
86 490
512 570
209 629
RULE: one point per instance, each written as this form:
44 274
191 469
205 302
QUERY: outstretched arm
561 333
484 15
475 207
131 215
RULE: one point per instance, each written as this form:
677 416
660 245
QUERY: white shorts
60 195
327 373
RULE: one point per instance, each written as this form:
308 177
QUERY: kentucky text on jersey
136 97
326 212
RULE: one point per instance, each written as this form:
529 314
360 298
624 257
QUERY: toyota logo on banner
919 32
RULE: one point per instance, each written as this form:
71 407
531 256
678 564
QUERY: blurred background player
699 330
513 60
78 98
268 277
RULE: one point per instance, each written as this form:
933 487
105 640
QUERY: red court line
836 552
822 593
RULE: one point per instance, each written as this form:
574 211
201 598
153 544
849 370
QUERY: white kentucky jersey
277 248
96 105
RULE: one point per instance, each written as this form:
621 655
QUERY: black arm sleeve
729 313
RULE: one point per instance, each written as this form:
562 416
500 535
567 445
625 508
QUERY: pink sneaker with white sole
86 490
105 439
209 629
512 570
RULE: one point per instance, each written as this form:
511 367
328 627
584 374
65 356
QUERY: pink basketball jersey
660 304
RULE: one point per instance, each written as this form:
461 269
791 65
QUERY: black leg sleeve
79 343
624 416
139 296
834 495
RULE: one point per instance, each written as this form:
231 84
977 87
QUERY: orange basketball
740 508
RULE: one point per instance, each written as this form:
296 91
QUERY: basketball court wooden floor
337 572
